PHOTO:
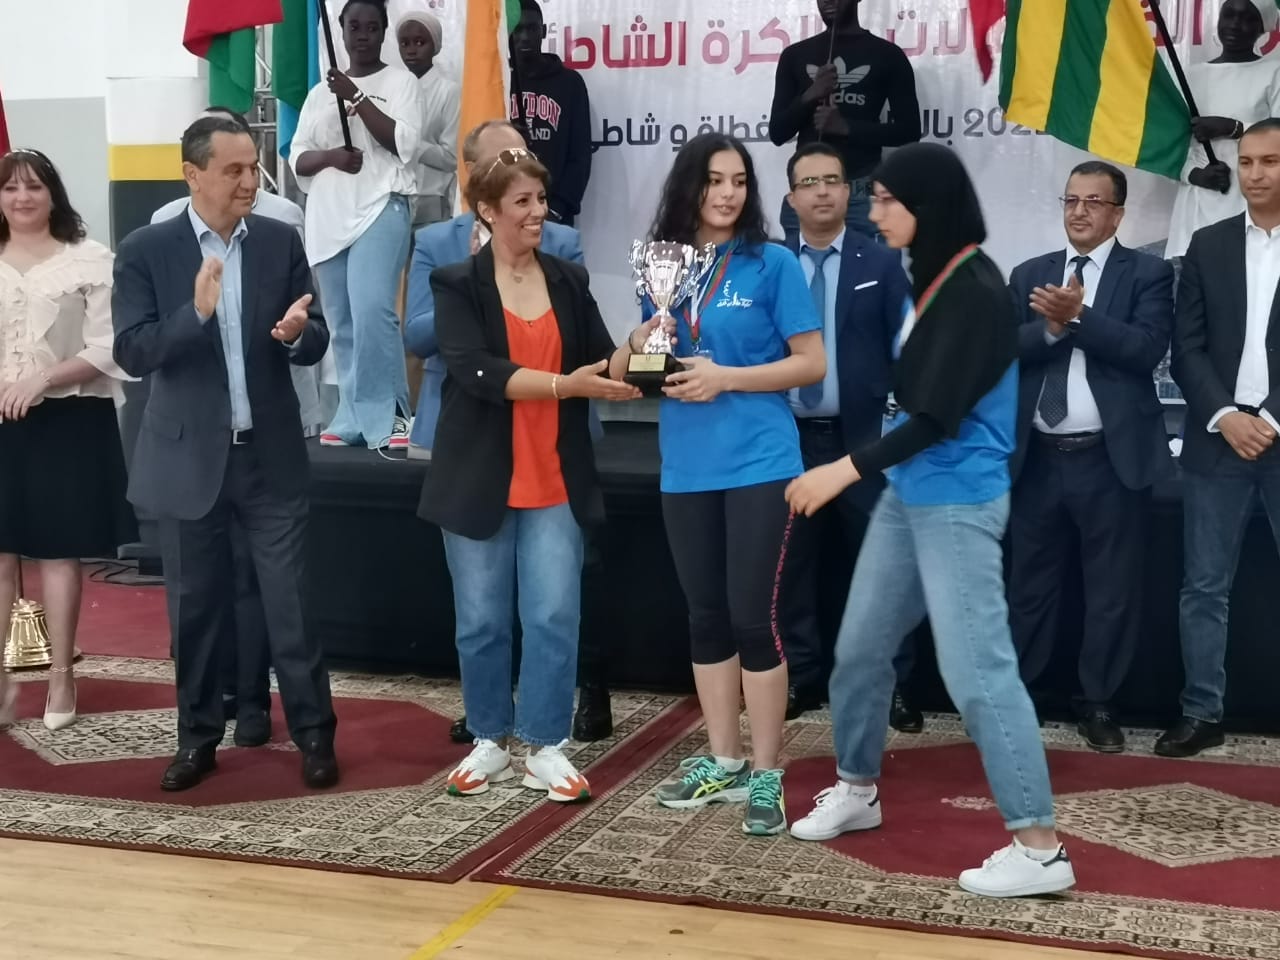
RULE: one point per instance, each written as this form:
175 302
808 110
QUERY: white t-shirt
438 162
341 206
1247 92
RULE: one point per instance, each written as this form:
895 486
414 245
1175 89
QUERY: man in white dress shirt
1096 320
1225 361
306 380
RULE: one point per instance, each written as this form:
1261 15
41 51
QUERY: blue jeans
536 555
358 289
1216 509
857 217
944 561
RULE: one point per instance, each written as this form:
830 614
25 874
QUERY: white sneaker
1011 872
550 770
486 763
839 810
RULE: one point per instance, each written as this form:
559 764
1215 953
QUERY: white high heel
60 721
9 704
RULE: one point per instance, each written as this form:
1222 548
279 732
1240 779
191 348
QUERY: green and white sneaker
766 809
703 781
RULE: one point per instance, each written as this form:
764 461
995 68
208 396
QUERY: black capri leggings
729 547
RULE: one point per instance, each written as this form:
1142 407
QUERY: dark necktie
1053 398
811 396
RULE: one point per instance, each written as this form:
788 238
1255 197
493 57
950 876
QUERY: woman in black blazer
513 479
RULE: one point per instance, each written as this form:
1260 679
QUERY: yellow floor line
465 923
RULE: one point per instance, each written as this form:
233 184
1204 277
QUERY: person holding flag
1232 91
357 224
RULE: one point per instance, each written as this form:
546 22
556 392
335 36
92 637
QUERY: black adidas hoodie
558 114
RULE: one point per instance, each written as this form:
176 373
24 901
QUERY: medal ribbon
931 292
695 324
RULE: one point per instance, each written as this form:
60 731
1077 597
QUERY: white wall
53 50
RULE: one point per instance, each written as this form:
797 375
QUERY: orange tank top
536 480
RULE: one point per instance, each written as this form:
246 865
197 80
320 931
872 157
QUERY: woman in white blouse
62 473
357 225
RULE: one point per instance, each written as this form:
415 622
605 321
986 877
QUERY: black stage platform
379 596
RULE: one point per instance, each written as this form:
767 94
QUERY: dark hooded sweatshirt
557 111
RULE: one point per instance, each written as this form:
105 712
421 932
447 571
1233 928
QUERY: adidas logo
845 79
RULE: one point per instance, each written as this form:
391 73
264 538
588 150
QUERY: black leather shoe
459 733
187 768
903 715
594 719
253 728
801 698
1188 737
319 766
1101 732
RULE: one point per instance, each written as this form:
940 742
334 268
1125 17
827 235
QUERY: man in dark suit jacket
862 293
1225 361
1096 320
214 305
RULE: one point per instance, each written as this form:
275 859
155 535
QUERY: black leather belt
1070 442
241 437
1245 408
819 424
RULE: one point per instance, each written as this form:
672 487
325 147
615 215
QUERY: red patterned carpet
1174 858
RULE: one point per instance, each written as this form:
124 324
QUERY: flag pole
333 65
831 45
1163 29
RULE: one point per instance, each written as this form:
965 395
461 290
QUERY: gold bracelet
555 384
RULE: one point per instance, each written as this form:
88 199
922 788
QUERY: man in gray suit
214 306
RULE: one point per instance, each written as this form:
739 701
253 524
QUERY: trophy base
649 371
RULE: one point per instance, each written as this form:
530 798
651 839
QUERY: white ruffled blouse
57 310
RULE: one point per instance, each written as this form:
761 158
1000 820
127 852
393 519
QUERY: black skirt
62 482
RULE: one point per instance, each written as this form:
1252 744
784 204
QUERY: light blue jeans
944 561
537 556
358 290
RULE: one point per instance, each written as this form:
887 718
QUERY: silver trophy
667 273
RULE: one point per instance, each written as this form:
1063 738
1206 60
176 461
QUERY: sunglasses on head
508 157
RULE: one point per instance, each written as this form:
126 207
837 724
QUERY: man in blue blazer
861 293
214 306
1096 320
451 242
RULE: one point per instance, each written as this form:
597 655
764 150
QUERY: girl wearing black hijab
933 545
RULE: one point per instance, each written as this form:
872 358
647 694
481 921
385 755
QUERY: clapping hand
1058 305
295 321
208 286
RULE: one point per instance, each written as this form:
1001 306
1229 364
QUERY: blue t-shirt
738 439
972 467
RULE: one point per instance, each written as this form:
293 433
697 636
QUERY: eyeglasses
508 157
1091 204
808 183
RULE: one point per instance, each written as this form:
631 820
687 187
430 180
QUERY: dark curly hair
64 223
680 208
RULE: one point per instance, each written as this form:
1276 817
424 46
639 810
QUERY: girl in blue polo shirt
729 448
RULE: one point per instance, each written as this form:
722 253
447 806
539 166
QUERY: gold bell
27 644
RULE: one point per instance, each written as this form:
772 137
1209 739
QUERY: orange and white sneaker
486 763
550 770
